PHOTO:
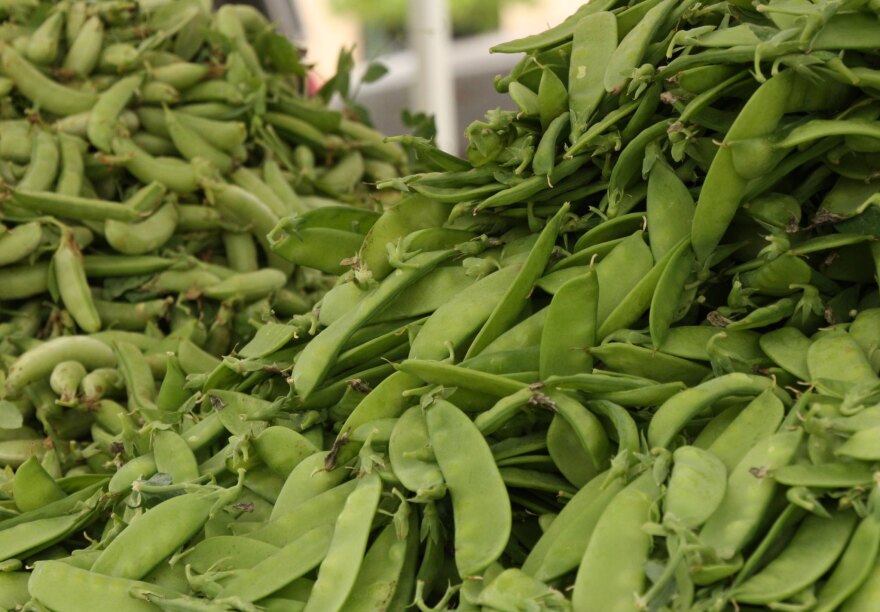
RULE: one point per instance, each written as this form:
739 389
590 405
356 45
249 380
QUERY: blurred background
428 56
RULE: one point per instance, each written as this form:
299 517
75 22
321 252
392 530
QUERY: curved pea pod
863 445
513 588
166 526
105 114
43 168
282 449
750 491
607 580
674 414
759 419
33 487
42 48
776 277
410 214
620 272
836 362
545 154
561 547
865 330
553 36
480 504
338 571
344 176
316 247
813 550
585 425
280 568
724 187
145 236
191 144
639 361
19 242
66 378
33 84
787 347
409 451
38 363
306 480
696 486
570 327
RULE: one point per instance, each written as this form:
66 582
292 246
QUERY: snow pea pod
49 95
481 507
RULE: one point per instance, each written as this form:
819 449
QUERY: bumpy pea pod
511 304
480 504
85 48
145 236
41 90
70 179
606 579
191 144
73 286
338 572
409 451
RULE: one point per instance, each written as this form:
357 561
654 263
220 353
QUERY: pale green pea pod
177 175
15 145
101 383
759 419
249 180
20 242
308 479
145 236
156 92
85 49
39 362
180 75
247 286
78 124
43 168
836 362
105 114
173 456
73 286
191 144
65 380
51 96
696 486
43 45
33 487
70 179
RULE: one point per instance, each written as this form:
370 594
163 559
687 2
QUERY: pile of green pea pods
146 150
624 356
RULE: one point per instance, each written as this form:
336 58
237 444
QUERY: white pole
433 92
